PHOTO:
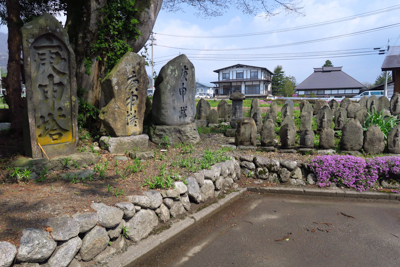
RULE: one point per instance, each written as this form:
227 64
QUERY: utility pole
152 40
386 73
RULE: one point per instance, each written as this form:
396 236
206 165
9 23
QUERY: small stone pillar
237 107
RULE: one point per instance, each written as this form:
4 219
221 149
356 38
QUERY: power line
296 43
370 13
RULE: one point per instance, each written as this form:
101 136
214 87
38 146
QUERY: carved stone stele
50 78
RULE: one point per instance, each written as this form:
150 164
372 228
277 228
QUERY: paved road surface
265 230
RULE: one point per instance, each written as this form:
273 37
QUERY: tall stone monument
202 109
174 103
237 106
50 75
268 133
372 104
393 140
352 136
255 104
221 108
125 91
333 104
246 132
340 118
395 104
324 118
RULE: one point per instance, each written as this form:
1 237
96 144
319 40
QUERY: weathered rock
237 106
296 174
63 227
383 103
128 208
185 202
142 155
171 193
81 159
287 111
327 138
177 209
125 91
51 113
119 145
319 103
361 115
324 118
270 164
255 105
203 109
248 165
284 174
258 119
306 120
219 183
199 177
345 103
94 242
392 184
141 224
213 173
142 201
307 138
363 102
246 133
174 98
340 118
372 104
108 216
395 104
352 136
86 221
228 182
207 190
230 165
393 140
182 188
268 133
333 104
164 213
305 106
213 116
115 231
105 255
352 109
194 189
201 123
75 263
7 252
186 134
374 140
262 173
35 246
168 202
289 102
224 169
288 164
311 178
64 254
154 197
273 178
237 170
287 134
228 114
272 113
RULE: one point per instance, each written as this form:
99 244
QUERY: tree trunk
13 79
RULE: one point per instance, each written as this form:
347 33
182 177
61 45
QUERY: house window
341 91
328 92
321 92
356 91
334 92
236 88
301 92
225 76
239 75
254 74
253 89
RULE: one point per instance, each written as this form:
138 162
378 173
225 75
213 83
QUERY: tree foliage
381 78
328 63
278 80
289 83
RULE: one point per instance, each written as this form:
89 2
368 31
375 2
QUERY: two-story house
202 88
249 80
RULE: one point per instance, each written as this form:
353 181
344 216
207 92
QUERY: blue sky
362 68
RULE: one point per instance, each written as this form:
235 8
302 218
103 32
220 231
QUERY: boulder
141 224
164 213
120 145
194 190
268 133
177 209
64 254
63 228
352 136
94 242
246 132
141 155
108 216
186 134
171 193
154 197
374 140
7 252
142 201
262 173
207 190
248 165
125 90
185 202
199 176
327 138
264 162
174 98
288 164
182 188
203 109
284 175
115 232
35 246
393 140
86 221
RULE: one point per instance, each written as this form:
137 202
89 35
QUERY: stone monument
363 101
202 109
340 118
221 108
361 115
374 140
345 103
257 117
213 116
50 78
333 104
246 132
306 120
372 104
287 110
327 138
307 108
125 92
383 103
272 112
324 118
307 138
268 133
319 103
287 134
395 104
255 104
352 109
237 107
393 140
174 103
352 136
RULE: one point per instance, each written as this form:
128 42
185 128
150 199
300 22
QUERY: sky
363 68
233 22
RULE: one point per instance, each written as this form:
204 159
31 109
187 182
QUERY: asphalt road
266 230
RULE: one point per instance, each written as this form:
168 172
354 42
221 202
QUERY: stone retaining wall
89 239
